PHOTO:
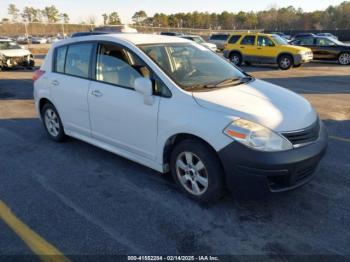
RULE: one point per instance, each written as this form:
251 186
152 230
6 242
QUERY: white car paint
123 123
15 52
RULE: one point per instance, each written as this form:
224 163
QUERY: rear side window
248 40
234 39
219 37
78 60
60 59
306 41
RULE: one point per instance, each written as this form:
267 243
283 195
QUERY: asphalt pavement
86 201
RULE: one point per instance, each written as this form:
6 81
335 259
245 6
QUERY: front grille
304 136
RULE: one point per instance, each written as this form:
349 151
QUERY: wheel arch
175 139
235 51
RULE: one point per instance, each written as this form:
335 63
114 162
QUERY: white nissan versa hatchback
173 105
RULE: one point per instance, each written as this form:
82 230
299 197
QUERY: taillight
38 74
225 46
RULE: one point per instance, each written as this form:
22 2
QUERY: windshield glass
279 40
8 45
336 41
193 66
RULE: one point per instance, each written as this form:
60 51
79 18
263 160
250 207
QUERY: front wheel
197 171
344 58
52 123
285 62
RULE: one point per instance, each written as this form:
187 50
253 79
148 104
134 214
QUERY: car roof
246 33
134 38
191 35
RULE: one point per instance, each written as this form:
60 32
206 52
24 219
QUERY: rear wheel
236 58
52 123
285 62
197 171
344 58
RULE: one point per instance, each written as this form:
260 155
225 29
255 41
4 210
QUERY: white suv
173 105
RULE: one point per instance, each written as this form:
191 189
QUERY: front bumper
300 59
251 173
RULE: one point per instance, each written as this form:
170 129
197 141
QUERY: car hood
269 105
15 52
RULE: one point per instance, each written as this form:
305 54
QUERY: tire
285 62
193 162
52 123
236 58
344 58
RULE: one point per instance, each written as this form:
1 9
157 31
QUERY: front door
119 116
247 48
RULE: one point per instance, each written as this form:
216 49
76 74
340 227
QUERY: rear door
265 50
69 82
247 48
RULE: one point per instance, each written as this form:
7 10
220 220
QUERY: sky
80 10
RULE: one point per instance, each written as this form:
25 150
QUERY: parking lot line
36 243
340 138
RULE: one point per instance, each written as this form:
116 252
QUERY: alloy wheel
344 59
192 173
52 123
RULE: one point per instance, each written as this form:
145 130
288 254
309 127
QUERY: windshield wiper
229 81
222 83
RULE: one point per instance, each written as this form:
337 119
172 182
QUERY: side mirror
144 87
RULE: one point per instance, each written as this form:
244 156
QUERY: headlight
302 53
256 136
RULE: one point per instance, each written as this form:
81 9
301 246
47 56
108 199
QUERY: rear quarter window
60 57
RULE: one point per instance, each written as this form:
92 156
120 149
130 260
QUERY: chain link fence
50 29
42 29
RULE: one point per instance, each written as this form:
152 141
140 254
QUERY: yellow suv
266 49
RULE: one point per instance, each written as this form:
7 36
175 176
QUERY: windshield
193 67
279 40
8 45
336 41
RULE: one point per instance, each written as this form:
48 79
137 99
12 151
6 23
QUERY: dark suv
326 48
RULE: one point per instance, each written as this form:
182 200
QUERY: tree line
30 14
286 18
276 19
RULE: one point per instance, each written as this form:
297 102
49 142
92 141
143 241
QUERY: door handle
55 83
242 47
259 48
97 93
